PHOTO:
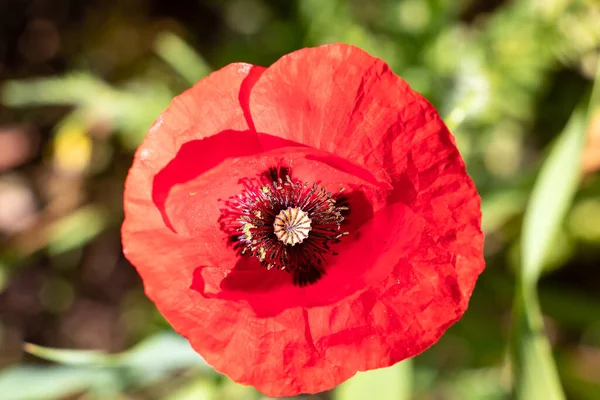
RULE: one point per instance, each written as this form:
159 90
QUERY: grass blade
181 57
534 369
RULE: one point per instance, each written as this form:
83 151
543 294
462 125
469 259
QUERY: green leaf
160 355
535 375
497 208
151 360
475 384
75 88
131 109
68 357
534 368
535 372
99 373
551 197
393 383
41 383
77 229
181 57
197 389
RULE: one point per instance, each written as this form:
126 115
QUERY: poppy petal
339 99
403 275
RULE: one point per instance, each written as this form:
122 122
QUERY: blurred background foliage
82 81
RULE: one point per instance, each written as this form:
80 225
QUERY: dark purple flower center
289 225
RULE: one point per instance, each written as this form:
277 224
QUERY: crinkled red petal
404 274
339 99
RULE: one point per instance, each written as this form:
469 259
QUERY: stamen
289 225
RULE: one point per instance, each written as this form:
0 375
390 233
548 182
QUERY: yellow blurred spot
584 221
72 149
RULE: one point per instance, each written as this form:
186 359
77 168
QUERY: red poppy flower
303 222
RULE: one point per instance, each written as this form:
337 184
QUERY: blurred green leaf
171 348
77 228
498 208
535 372
478 384
72 89
50 382
197 389
69 357
160 355
231 390
332 21
181 57
536 376
153 358
131 109
551 197
392 383
150 361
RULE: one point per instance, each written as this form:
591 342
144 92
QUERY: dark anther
274 174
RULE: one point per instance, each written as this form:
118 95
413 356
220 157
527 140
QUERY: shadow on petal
366 257
199 156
